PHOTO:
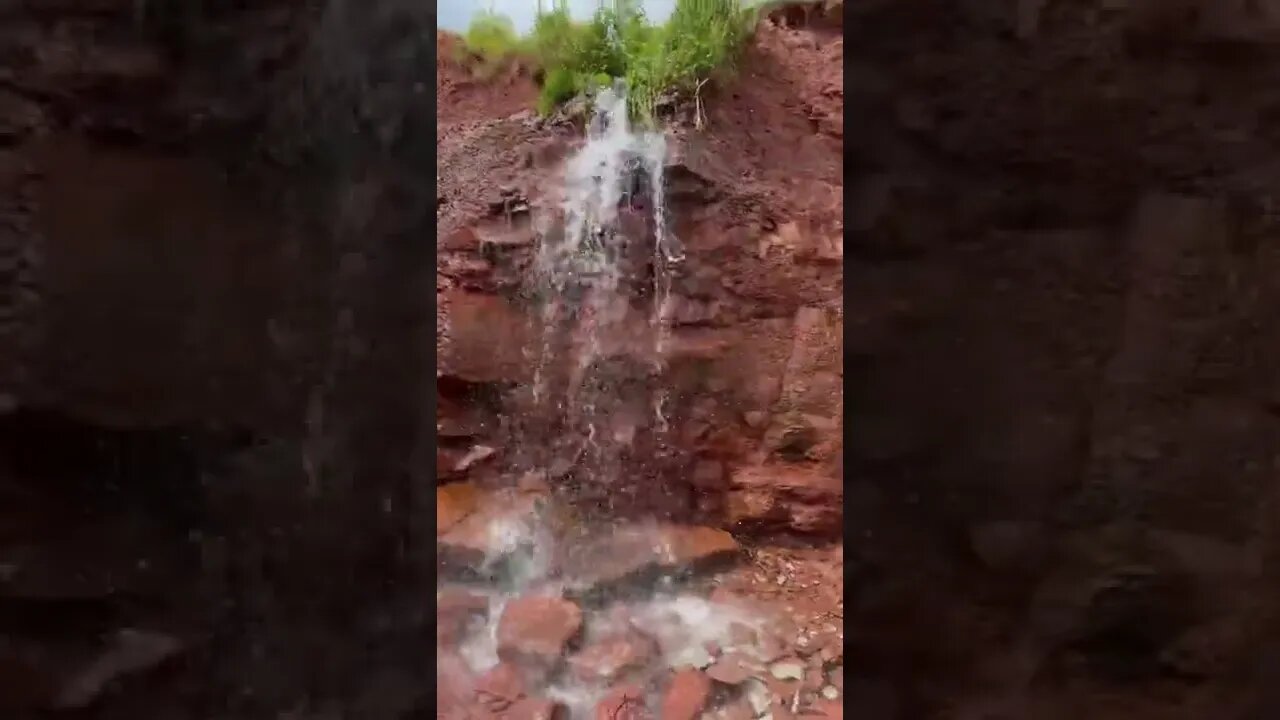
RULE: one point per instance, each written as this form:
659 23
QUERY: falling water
586 275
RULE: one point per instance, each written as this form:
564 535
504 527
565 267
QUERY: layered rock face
754 361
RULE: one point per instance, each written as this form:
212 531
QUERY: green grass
493 39
702 38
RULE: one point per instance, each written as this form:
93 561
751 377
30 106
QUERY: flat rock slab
537 630
637 555
454 503
476 530
687 695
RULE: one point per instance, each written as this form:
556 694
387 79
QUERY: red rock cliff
757 347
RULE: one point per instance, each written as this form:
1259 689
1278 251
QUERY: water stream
590 274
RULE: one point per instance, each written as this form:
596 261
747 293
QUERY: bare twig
699 122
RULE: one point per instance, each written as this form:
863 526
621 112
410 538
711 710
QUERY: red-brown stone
500 687
626 702
467 542
687 695
610 658
536 709
632 552
454 503
537 629
454 682
456 609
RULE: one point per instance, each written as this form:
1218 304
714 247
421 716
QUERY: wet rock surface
610 659
662 631
686 695
538 630
636 556
623 703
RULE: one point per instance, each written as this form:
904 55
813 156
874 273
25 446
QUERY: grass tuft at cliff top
701 37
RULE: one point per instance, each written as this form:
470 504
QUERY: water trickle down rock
582 269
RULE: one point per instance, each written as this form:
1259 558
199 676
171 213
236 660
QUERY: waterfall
589 274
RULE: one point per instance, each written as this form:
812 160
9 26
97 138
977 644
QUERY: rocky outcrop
755 356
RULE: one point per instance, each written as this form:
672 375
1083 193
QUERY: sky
456 14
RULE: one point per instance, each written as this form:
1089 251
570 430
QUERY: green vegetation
701 38
493 38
